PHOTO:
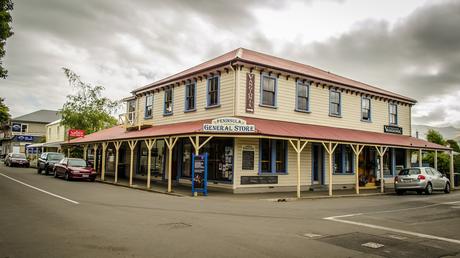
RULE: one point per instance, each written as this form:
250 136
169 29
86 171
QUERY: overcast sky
409 47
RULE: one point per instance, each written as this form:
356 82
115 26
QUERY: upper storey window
366 109
190 97
303 97
268 91
168 102
148 106
213 91
335 103
393 113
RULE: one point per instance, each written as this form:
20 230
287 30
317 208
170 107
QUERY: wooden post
452 179
94 156
68 152
420 161
85 152
196 144
170 143
132 145
104 149
436 159
117 148
357 150
381 151
149 143
298 149
330 150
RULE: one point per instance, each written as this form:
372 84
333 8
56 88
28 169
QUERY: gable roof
261 59
39 116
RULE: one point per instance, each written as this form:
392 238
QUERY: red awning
266 127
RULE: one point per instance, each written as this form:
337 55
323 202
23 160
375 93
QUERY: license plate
84 175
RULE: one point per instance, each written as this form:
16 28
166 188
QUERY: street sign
76 133
200 174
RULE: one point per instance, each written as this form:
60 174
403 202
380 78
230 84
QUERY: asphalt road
41 216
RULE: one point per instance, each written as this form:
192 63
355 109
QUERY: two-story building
266 123
27 129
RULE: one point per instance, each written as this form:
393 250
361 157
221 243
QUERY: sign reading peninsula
229 125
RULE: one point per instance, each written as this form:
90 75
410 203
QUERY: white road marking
40 190
372 245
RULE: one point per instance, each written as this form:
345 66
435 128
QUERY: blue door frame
318 150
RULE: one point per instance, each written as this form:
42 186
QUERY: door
317 164
437 179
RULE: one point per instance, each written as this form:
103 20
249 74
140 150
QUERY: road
41 216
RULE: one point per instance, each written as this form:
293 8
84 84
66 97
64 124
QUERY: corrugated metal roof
267 127
39 116
253 57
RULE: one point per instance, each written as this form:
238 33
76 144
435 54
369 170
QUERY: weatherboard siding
319 107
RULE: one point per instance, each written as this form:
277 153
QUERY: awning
45 144
265 127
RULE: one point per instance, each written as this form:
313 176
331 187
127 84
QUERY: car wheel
67 176
46 171
429 189
39 171
447 188
55 174
400 192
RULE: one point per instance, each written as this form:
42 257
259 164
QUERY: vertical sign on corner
250 82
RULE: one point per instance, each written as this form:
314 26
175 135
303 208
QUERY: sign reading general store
229 125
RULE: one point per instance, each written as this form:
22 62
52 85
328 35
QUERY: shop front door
317 165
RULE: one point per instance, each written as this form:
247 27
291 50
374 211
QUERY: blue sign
200 174
24 138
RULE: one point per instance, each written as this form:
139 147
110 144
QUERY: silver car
421 179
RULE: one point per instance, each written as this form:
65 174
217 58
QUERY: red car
73 168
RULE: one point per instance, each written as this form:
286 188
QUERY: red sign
250 81
76 133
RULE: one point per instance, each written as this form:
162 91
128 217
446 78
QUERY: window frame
275 95
147 106
307 85
208 105
273 158
390 104
339 104
165 113
186 98
343 157
370 109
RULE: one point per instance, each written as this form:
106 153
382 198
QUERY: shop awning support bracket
170 142
104 149
132 145
149 143
357 149
298 150
381 151
330 148
117 148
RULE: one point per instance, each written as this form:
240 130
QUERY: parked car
47 160
16 159
421 179
74 168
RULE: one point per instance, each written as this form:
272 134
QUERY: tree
4 112
5 31
87 109
454 145
435 137
443 161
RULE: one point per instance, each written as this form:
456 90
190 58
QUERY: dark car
73 168
16 159
47 160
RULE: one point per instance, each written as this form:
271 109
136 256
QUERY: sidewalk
185 191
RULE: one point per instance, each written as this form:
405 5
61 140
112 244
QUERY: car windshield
18 156
77 163
56 156
409 172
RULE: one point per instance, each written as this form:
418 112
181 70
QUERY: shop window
168 102
273 156
213 91
220 159
268 91
148 106
343 161
393 113
303 98
366 109
190 99
187 159
335 105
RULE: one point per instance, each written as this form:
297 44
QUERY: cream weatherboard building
267 124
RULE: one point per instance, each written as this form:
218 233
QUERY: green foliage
5 31
454 145
87 109
435 137
443 161
4 112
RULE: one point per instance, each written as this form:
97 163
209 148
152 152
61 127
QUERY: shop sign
248 157
257 180
229 125
250 82
200 174
24 138
392 129
16 127
76 133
